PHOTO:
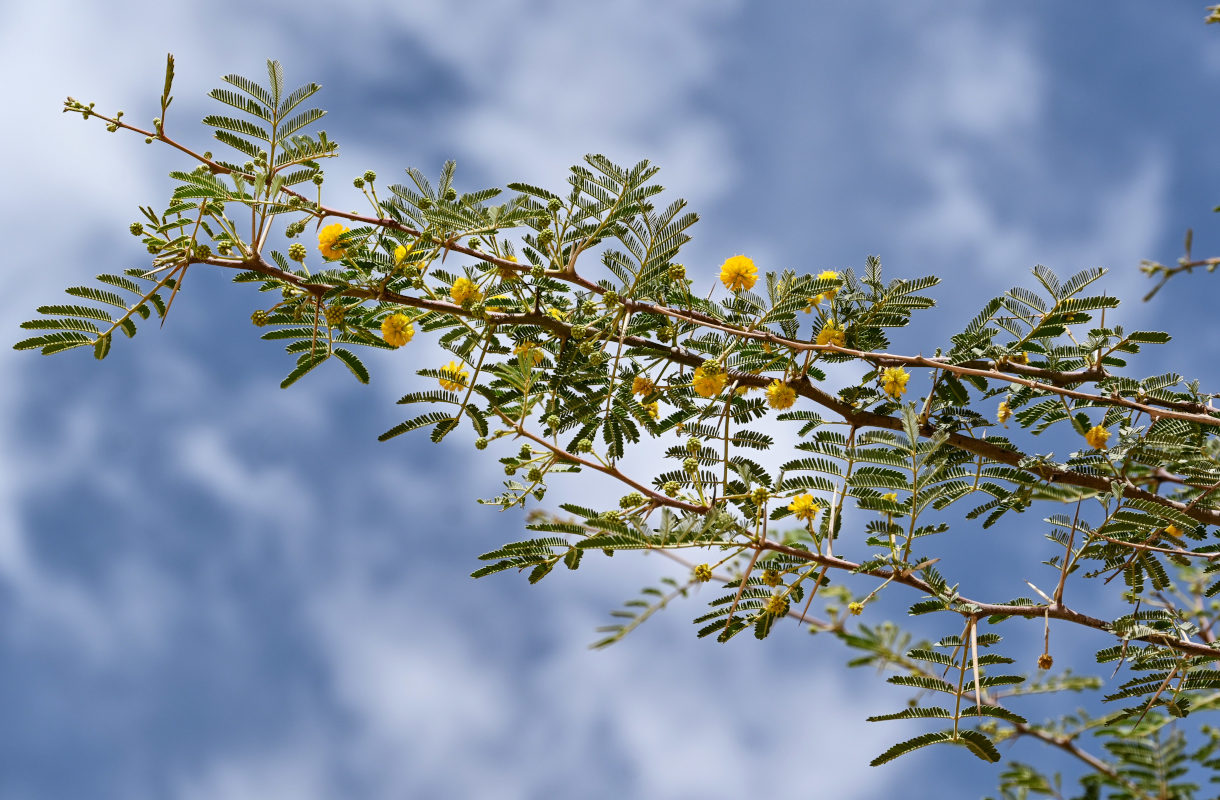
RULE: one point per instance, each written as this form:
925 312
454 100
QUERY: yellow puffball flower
397 330
328 241
832 333
453 377
855 608
1003 413
702 573
400 253
463 289
804 506
780 395
891 496
738 273
1174 531
708 384
777 605
555 313
829 294
643 386
507 274
529 350
894 381
1097 437
653 409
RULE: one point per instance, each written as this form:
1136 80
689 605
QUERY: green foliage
811 469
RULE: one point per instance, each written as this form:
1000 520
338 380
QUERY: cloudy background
212 589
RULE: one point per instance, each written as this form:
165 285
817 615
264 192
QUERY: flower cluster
464 290
738 273
328 241
826 296
709 380
453 377
894 381
1097 437
804 507
397 329
832 333
780 395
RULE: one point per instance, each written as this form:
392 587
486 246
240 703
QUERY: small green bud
584 446
631 500
136 229
677 272
670 488
537 271
690 464
534 475
598 358
579 331
693 445
248 166
525 451
259 318
297 251
588 308
510 469
203 251
450 194
539 492
147 140
334 315
370 176
425 202
553 204
418 283
317 178
668 332
358 183
759 496
480 443
610 298
545 236
206 153
552 421
586 349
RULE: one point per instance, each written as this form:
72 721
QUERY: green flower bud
585 349
552 421
553 205
545 236
297 251
358 183
370 176
534 475
203 251
588 307
670 488
334 315
537 271
317 178
631 500
480 443
677 272
136 229
259 318
510 469
610 298
584 446
693 445
691 465
425 202
669 332
450 194
598 358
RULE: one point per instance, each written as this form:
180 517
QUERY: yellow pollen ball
1097 437
397 330
832 333
708 385
642 385
453 377
328 241
780 395
894 381
804 506
1003 413
463 289
738 273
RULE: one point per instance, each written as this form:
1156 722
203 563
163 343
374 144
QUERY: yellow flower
507 274
1174 531
891 496
400 253
1003 413
804 506
702 573
771 578
708 384
855 608
894 381
829 294
463 289
530 350
397 330
328 241
777 605
738 273
653 409
832 333
1097 437
780 395
453 377
555 313
643 386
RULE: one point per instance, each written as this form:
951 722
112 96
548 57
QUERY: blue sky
212 588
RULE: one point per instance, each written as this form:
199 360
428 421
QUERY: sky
214 589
